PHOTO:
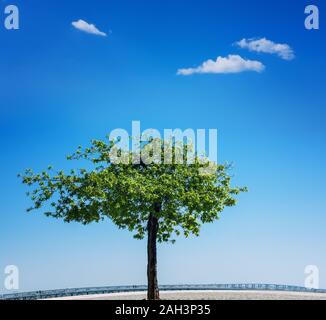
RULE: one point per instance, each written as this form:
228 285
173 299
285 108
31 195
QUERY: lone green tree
146 197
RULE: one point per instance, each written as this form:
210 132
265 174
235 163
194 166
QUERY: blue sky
61 87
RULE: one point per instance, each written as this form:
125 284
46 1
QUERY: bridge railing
48 294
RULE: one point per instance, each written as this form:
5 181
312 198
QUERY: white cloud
229 64
267 46
87 27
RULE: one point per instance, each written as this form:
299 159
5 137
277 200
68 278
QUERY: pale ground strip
206 295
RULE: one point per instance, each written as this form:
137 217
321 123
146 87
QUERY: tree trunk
152 289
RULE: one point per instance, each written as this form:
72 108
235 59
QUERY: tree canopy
182 196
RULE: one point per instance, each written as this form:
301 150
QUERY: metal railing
48 294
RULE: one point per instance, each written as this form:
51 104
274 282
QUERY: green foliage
181 196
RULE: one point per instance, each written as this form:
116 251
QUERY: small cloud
229 64
264 45
88 28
